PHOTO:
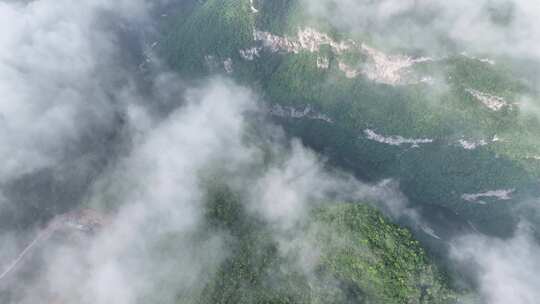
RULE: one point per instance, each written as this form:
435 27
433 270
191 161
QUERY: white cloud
422 23
507 270
58 82
158 199
55 75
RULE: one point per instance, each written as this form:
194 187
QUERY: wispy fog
83 126
69 94
506 270
500 27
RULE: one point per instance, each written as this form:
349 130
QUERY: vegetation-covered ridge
449 128
348 253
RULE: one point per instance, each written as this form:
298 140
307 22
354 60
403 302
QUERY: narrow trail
42 235
83 220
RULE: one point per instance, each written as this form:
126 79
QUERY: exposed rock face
304 112
250 54
252 6
349 71
503 195
389 69
213 64
396 140
228 65
307 39
380 67
471 145
493 102
484 60
323 63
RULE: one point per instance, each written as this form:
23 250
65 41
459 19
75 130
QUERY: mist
503 270
506 270
76 114
92 118
155 235
493 27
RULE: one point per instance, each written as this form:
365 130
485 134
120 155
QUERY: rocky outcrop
503 195
379 67
396 140
298 112
492 102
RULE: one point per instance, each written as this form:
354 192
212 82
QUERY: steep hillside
341 253
449 128
344 253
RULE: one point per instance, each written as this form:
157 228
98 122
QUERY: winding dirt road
85 220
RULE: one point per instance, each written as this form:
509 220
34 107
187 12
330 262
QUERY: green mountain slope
349 253
447 128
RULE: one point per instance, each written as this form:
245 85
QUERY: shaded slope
479 140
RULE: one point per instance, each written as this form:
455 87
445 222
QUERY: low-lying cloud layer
152 250
65 80
498 27
56 68
506 270
155 237
66 88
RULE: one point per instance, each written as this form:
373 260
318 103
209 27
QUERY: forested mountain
447 125
269 151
